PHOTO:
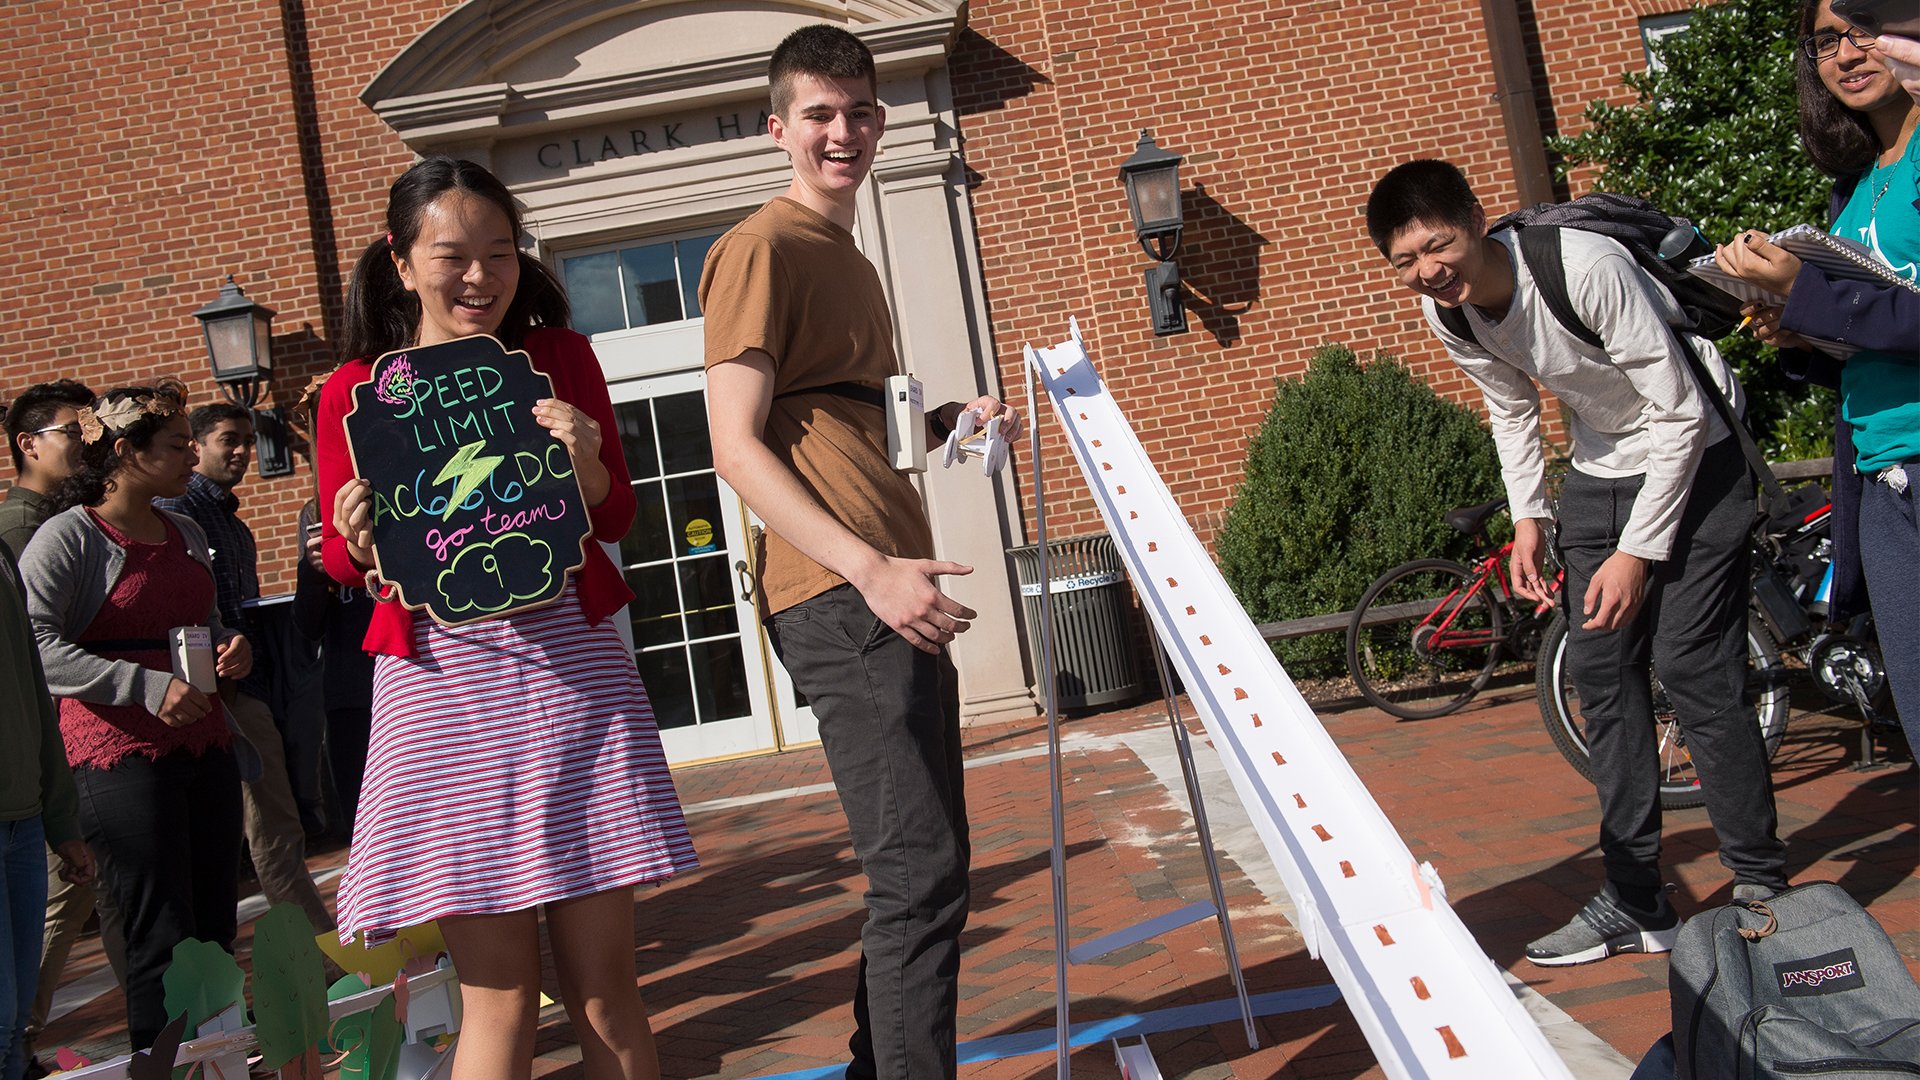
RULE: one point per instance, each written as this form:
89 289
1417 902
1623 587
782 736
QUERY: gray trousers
275 837
1890 555
1692 631
889 719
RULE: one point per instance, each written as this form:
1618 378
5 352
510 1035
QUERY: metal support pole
1187 772
1048 679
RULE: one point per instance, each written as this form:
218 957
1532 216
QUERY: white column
930 271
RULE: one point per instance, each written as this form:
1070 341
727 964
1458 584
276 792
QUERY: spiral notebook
1838 256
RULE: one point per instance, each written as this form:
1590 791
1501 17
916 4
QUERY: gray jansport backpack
1803 985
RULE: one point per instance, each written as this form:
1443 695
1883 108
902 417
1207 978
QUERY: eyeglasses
1826 43
71 431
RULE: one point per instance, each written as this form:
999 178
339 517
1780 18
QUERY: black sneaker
1607 927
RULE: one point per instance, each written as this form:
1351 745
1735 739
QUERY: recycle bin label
1076 582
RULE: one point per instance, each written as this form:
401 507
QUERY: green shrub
1349 476
1712 135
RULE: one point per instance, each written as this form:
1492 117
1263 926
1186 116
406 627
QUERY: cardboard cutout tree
203 982
156 1062
289 993
366 1044
412 950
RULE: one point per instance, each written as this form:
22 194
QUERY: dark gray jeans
1692 629
1890 554
889 719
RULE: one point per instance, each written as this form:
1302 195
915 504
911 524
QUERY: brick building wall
1286 115
148 150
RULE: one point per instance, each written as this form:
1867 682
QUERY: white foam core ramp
1429 1000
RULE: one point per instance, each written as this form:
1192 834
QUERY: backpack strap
1455 320
852 391
1540 246
1773 496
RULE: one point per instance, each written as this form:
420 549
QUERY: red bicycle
1428 635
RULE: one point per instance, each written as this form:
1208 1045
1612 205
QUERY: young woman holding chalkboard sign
513 762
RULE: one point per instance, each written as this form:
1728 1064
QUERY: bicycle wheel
1421 642
1679 782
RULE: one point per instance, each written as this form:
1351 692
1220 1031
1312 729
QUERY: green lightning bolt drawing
471 469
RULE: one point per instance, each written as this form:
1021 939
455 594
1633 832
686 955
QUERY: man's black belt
865 395
852 391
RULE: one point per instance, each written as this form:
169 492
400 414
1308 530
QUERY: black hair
35 409
1426 190
100 459
207 417
824 50
382 315
1840 141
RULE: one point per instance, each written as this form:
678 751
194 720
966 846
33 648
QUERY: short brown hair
821 49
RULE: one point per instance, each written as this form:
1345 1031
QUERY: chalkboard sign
476 510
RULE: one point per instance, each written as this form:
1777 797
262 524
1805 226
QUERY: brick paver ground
748 964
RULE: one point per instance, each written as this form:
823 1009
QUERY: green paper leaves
367 1043
203 981
289 991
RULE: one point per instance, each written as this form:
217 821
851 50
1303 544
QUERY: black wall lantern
239 337
1152 176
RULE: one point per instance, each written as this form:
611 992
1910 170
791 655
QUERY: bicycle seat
1468 520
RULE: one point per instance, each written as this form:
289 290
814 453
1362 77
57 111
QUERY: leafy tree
1713 136
1349 475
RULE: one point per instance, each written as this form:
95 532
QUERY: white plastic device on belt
906 424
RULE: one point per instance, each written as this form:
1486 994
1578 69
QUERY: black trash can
1092 619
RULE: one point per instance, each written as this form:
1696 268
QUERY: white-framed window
1655 27
630 285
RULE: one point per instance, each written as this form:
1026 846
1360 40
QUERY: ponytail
381 314
540 300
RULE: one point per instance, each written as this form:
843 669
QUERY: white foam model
1429 1000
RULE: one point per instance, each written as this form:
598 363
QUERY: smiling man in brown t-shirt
798 344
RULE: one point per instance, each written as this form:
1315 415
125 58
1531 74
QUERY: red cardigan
568 359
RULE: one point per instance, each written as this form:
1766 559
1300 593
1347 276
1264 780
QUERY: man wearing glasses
43 431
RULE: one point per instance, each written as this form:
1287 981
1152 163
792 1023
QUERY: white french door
716 687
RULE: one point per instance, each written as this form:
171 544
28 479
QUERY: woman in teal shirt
1857 123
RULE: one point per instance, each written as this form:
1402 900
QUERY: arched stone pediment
508 63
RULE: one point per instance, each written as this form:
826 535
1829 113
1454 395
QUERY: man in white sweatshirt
1653 521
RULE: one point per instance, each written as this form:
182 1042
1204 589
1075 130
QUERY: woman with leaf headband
153 757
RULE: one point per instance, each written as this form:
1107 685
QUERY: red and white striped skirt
512 762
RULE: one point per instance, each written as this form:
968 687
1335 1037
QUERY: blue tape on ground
1179 1018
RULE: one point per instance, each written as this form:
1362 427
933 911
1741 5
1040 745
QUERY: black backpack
1661 243
1804 984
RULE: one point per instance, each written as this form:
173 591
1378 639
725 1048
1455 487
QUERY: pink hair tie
389 239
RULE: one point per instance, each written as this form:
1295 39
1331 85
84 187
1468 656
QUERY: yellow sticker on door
699 534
